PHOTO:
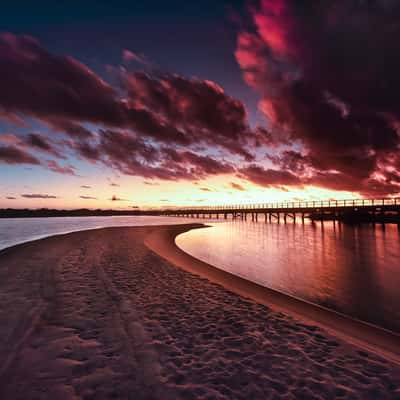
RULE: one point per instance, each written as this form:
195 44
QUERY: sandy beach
121 313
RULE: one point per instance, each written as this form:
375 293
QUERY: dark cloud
129 154
119 146
55 167
327 74
237 186
43 85
11 198
86 150
72 129
201 108
116 198
269 177
38 196
150 183
85 187
14 155
88 198
205 189
39 142
310 172
370 187
194 166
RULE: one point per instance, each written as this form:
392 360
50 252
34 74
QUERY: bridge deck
336 208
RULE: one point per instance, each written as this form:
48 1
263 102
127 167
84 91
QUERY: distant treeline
83 212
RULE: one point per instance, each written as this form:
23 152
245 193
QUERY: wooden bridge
354 210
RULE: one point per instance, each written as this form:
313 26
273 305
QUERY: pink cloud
55 167
130 56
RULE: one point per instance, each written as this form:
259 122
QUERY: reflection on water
352 269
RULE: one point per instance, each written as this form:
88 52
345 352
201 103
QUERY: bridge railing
296 205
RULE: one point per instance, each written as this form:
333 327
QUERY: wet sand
97 314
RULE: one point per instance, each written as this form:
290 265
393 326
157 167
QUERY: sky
158 104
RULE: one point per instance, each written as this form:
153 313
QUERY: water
19 230
351 269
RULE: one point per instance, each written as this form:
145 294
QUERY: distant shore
97 314
82 212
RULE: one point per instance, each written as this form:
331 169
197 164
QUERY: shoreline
365 335
161 240
103 314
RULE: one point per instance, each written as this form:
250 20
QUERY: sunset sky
124 103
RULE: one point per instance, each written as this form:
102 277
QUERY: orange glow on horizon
132 192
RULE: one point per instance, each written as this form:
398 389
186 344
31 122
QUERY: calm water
351 269
19 230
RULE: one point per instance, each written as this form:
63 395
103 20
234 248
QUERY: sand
98 315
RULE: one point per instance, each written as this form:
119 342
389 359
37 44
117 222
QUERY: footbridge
353 210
